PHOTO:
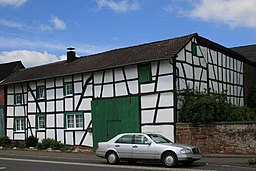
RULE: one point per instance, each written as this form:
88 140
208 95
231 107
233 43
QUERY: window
19 124
145 75
68 89
40 121
74 120
194 48
140 139
126 139
41 92
18 99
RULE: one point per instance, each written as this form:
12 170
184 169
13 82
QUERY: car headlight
185 151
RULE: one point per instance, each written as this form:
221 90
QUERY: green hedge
203 108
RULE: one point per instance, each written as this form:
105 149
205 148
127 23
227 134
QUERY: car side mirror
148 143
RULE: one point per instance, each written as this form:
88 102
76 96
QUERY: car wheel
112 157
170 159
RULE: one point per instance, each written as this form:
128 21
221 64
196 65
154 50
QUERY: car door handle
135 146
117 145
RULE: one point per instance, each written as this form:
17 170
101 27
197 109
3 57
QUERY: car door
123 146
142 148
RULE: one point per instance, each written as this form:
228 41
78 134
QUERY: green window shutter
145 75
194 48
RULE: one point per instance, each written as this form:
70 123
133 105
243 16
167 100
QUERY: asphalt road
49 161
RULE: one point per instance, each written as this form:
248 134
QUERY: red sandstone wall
1 96
221 138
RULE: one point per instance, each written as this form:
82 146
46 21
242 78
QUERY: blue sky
39 31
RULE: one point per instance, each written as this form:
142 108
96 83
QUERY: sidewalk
226 159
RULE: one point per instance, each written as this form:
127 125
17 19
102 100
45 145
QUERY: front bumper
189 157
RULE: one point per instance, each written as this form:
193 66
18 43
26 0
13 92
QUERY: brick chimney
71 54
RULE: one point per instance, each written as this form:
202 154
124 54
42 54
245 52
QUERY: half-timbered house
6 69
83 100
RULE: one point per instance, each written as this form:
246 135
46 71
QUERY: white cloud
15 3
58 23
54 24
34 57
18 43
28 58
119 6
11 24
235 13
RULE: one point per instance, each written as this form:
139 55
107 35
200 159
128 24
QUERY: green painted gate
113 116
2 122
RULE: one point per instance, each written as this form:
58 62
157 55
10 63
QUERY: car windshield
159 139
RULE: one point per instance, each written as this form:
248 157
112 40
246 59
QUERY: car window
159 138
126 139
140 139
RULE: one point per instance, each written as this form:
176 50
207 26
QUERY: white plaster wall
145 88
68 104
165 115
59 105
19 136
41 136
166 99
69 138
131 72
166 130
147 116
165 83
32 120
50 133
50 106
121 89
60 120
108 90
78 87
32 107
50 120
148 101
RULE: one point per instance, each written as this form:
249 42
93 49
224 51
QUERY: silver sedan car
139 146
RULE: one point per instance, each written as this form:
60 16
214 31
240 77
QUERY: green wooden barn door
113 116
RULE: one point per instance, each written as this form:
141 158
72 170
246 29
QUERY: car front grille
196 151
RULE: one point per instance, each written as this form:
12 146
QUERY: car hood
178 145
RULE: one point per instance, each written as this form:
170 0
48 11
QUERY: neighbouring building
83 100
249 52
5 70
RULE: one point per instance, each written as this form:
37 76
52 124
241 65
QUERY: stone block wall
2 96
220 138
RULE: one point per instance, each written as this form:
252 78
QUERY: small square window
68 89
41 92
18 99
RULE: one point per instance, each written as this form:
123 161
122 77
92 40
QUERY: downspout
173 62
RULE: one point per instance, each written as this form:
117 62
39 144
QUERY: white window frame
73 121
18 99
19 124
41 92
69 89
40 125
